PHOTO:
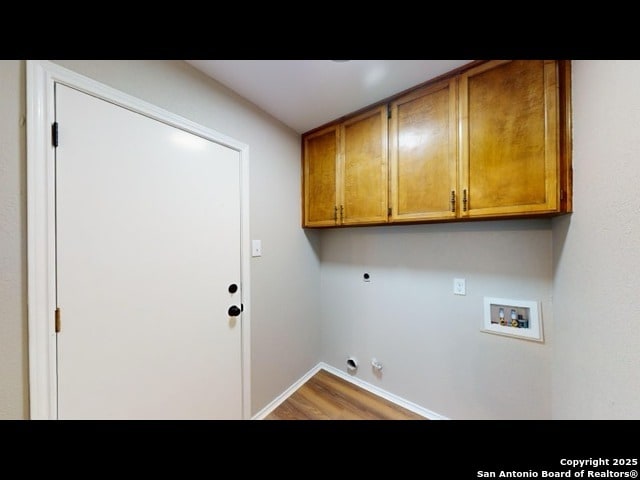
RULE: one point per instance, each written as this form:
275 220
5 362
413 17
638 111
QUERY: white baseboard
286 394
413 407
354 380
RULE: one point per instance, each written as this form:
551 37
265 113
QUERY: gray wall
285 280
14 366
596 365
429 340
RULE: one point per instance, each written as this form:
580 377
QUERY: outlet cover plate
256 248
459 286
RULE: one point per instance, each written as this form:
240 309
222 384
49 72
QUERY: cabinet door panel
509 124
423 142
364 168
320 159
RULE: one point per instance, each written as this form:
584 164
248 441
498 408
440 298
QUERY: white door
148 246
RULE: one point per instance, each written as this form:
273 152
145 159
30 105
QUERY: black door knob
234 311
233 288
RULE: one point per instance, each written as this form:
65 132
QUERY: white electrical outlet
459 286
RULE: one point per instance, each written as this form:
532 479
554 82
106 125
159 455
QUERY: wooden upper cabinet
423 153
364 168
320 177
510 138
490 141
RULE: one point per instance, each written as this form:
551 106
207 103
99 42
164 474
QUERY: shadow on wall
474 247
313 237
560 227
23 235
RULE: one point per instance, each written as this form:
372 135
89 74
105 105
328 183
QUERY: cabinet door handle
335 214
464 200
341 213
453 201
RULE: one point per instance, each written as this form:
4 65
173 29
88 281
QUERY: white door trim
41 78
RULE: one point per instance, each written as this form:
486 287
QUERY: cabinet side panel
565 132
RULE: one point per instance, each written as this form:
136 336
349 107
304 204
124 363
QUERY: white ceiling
304 94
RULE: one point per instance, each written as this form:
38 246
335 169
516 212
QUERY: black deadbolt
234 311
233 288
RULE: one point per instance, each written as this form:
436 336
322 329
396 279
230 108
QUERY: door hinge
57 315
389 110
54 134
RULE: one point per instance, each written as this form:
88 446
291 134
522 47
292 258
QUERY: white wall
596 364
13 252
285 280
428 339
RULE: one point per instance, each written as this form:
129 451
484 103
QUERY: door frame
41 248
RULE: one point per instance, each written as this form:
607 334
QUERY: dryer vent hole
352 364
